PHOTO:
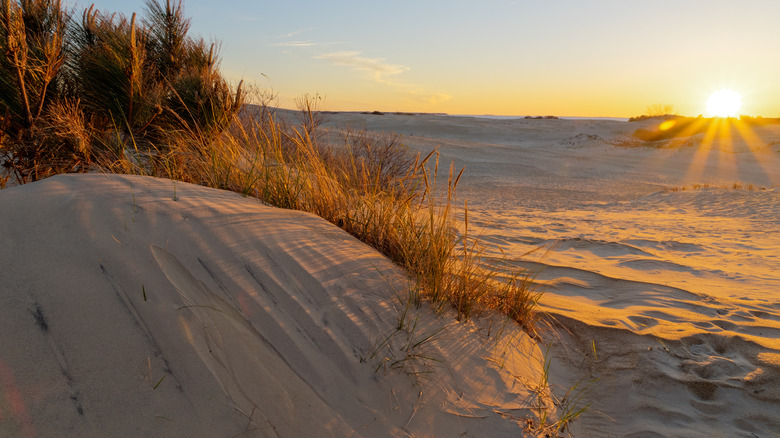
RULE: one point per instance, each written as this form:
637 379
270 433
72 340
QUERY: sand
133 306
666 302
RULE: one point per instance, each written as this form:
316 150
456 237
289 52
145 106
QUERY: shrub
657 111
109 67
32 36
69 86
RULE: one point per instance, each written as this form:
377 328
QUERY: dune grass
373 188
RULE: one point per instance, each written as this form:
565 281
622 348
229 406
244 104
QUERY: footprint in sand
713 363
657 314
725 325
742 316
715 368
702 389
656 265
702 324
643 322
764 315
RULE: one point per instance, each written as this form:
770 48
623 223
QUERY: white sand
677 292
131 306
256 321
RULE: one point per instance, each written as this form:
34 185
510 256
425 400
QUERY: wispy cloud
380 71
296 39
376 68
437 98
295 32
289 40
418 96
296 44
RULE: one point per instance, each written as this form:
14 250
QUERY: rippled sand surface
661 279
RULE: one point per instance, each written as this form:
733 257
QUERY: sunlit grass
384 196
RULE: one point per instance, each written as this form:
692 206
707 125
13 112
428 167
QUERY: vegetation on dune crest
71 89
32 54
110 93
656 111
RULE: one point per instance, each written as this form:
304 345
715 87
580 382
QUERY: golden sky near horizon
566 57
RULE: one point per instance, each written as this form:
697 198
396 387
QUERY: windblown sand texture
133 306
668 301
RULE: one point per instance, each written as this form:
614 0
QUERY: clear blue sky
562 57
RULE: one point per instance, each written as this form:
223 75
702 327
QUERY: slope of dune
132 306
664 303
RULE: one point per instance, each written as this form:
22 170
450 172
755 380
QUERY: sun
724 103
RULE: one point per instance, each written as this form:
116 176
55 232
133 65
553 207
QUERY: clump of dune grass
376 190
569 407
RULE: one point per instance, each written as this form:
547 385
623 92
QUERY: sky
608 58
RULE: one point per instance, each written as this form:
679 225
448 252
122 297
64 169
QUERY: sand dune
131 306
668 300
135 307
